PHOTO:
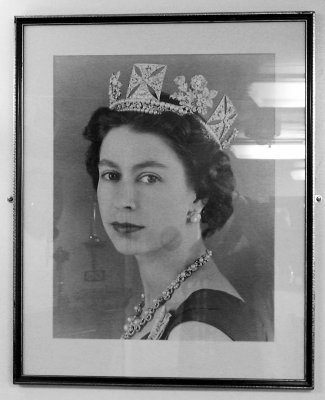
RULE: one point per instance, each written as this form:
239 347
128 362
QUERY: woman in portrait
164 185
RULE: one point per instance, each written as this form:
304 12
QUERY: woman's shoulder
211 298
194 330
224 314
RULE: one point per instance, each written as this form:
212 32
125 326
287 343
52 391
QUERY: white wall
47 7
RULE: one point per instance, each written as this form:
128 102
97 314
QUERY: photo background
94 286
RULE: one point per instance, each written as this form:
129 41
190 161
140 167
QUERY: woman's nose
125 196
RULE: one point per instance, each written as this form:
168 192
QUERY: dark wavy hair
207 168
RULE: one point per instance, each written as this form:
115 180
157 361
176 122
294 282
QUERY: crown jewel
196 96
143 95
146 81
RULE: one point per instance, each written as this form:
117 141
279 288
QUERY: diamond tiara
143 95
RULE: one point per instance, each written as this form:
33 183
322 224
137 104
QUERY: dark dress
225 312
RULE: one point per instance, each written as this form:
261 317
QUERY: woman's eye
110 176
149 179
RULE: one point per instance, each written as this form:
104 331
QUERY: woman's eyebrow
148 164
107 163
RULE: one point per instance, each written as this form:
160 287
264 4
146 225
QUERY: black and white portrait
163 213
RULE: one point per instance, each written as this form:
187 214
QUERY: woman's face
143 193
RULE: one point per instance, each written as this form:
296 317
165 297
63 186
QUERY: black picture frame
20 376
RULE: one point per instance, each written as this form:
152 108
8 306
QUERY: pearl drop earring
194 217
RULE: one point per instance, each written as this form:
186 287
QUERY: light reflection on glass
280 94
273 151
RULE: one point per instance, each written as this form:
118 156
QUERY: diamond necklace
137 322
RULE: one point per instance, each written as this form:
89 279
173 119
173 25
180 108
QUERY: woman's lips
125 227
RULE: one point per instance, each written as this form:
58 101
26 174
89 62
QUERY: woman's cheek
103 198
171 238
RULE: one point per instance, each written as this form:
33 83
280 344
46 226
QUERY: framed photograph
164 200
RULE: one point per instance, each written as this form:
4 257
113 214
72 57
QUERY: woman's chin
127 251
129 247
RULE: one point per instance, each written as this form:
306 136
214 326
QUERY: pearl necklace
137 322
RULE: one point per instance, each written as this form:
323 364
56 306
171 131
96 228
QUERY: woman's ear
199 204
194 214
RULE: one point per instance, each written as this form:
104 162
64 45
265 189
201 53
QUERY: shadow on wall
244 252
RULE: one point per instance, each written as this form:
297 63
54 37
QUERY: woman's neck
158 269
